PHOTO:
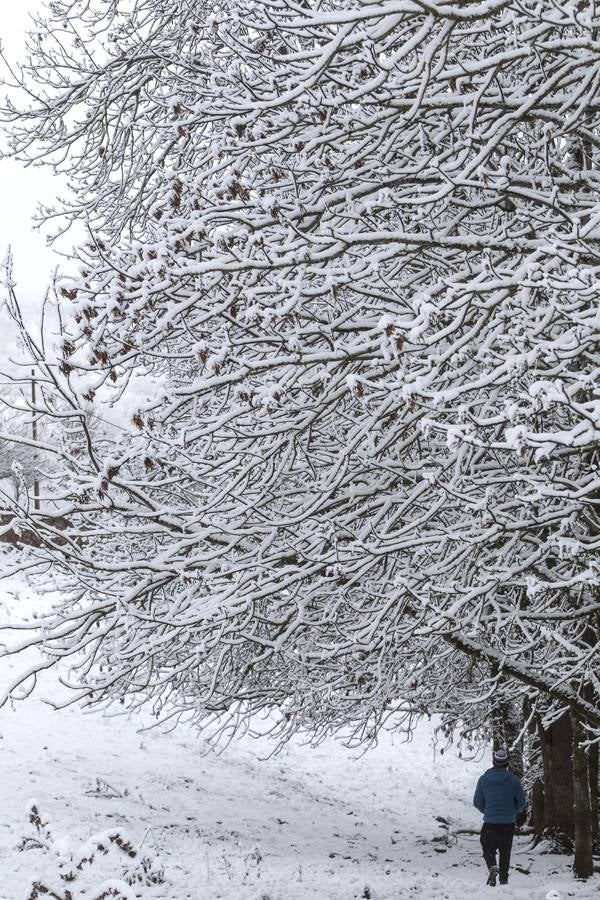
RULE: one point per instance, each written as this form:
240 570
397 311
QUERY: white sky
22 188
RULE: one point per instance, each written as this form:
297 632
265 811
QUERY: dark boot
493 874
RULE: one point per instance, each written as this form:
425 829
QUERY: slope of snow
307 823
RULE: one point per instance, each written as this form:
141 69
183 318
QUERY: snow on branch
340 292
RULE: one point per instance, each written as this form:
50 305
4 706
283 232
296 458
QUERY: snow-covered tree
351 249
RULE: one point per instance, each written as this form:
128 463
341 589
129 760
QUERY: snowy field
307 823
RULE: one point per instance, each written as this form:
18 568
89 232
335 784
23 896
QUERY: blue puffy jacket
499 796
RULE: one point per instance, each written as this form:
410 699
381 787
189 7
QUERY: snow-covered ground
307 823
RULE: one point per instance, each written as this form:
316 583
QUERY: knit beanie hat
500 758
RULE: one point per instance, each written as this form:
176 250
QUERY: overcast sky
21 188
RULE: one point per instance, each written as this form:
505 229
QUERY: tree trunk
591 637
507 723
583 864
537 809
593 777
557 745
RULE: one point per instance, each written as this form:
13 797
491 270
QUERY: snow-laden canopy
352 249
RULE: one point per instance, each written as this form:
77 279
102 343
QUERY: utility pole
34 434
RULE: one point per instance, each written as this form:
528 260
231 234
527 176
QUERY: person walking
501 799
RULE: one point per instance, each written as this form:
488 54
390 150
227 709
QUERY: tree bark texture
507 724
591 637
593 777
557 743
583 864
537 809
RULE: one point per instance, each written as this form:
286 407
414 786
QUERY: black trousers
497 838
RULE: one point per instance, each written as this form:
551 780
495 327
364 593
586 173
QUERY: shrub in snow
146 872
243 870
69 861
110 889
